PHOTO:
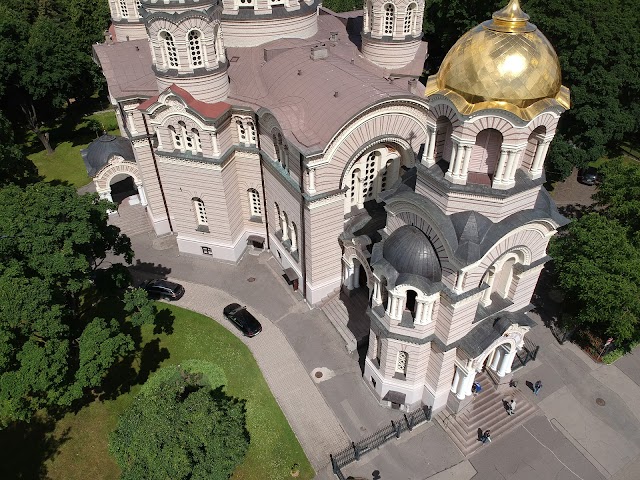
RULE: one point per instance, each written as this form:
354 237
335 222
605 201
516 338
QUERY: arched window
195 48
355 186
200 211
389 18
124 10
170 52
409 19
378 348
251 130
242 133
176 137
276 212
384 292
401 363
245 3
285 226
369 176
283 152
254 203
196 138
294 237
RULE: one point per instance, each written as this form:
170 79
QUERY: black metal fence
561 334
529 352
353 453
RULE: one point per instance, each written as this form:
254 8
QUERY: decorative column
471 376
432 146
392 302
294 240
507 361
399 307
497 178
459 282
312 181
497 356
132 124
452 157
142 194
513 166
285 227
458 163
356 277
485 301
376 293
157 132
465 162
456 380
214 144
536 165
365 26
427 312
419 312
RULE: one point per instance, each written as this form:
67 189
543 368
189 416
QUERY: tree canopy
181 426
54 344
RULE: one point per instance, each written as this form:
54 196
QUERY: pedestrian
511 407
476 388
486 437
537 386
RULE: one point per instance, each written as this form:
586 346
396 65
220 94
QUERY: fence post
535 352
396 427
334 465
409 426
356 452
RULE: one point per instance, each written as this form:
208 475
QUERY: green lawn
274 448
71 136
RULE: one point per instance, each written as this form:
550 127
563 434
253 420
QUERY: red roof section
208 110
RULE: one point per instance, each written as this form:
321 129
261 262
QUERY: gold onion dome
505 63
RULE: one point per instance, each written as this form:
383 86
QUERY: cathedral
280 125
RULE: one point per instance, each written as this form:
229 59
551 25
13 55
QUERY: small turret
126 19
392 31
187 46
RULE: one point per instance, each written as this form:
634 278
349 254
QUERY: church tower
391 31
126 19
187 46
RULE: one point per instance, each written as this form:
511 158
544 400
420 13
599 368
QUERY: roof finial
510 19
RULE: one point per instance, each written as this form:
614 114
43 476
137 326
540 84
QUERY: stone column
507 361
464 385
497 356
459 282
500 168
452 159
465 162
214 144
513 166
142 194
377 299
399 307
456 381
428 312
132 124
365 26
157 131
432 147
285 227
312 181
391 304
485 301
471 376
356 276
294 239
419 312
457 168
536 165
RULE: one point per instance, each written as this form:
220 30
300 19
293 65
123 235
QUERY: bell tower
127 19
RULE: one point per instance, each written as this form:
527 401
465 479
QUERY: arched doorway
121 178
486 152
123 186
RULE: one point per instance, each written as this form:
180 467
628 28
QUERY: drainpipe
303 250
155 164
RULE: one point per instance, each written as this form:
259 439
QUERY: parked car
242 319
588 176
164 289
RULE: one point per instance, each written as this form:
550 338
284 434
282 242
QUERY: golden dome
503 63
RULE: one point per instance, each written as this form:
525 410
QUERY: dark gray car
242 319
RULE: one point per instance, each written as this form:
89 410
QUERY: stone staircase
348 315
131 219
487 412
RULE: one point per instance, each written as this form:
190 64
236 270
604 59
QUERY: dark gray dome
100 151
409 251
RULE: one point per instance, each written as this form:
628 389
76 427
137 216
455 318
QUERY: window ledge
255 218
202 228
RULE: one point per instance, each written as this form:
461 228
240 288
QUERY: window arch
176 137
251 130
196 138
200 211
242 133
389 19
285 226
196 54
124 10
294 237
401 362
169 50
409 19
276 211
355 186
254 203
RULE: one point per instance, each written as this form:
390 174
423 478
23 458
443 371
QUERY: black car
588 176
241 318
164 289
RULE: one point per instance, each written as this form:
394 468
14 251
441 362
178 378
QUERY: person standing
486 437
537 386
511 407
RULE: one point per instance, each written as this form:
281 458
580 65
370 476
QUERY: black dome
409 251
100 151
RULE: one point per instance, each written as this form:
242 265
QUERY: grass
68 138
273 450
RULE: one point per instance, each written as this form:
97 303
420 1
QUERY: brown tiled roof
127 67
207 110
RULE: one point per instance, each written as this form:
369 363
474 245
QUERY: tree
15 167
598 269
619 194
181 426
53 348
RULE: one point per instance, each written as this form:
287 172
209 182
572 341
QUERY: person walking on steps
537 386
511 407
486 437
